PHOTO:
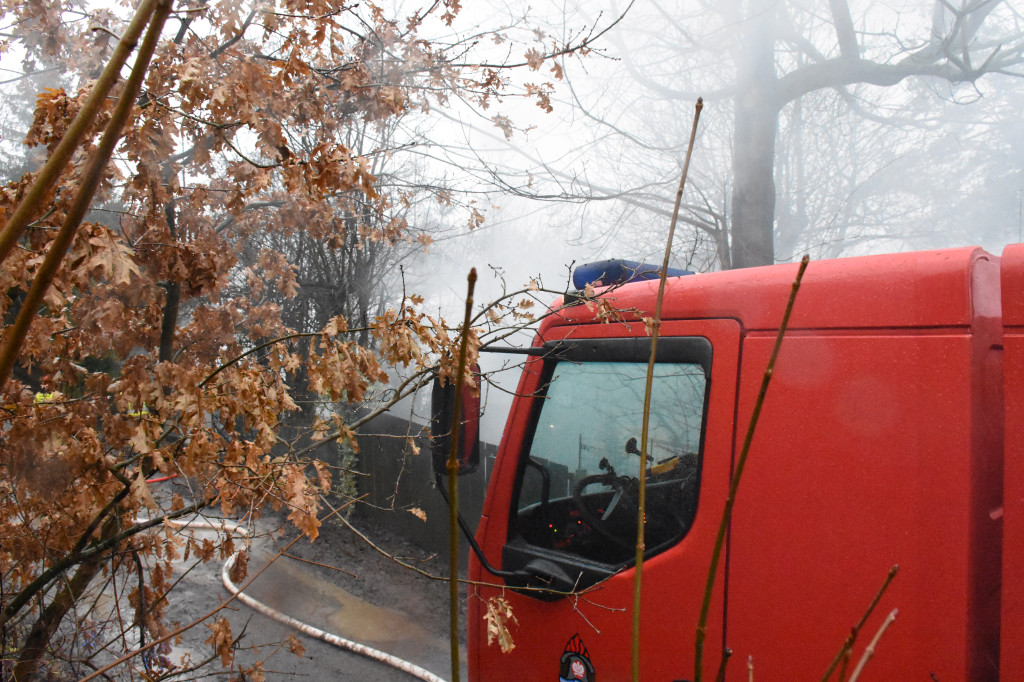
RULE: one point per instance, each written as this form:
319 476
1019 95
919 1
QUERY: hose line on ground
330 638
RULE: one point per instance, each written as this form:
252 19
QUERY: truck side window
579 479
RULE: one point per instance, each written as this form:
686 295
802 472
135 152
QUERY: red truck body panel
880 443
546 627
1012 659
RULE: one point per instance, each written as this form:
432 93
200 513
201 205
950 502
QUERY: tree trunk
38 639
753 153
169 324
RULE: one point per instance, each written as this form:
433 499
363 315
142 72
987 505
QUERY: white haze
921 164
862 169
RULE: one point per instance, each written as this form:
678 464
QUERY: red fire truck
892 433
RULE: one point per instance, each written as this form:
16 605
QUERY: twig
844 652
475 583
238 358
734 485
132 654
321 565
81 556
75 133
870 651
726 655
655 332
90 182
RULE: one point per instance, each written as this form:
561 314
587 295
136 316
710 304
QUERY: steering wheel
623 501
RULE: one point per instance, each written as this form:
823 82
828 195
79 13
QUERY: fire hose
330 638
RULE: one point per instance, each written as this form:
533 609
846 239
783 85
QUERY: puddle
309 594
296 591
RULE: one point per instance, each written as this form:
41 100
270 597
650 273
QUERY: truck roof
939 288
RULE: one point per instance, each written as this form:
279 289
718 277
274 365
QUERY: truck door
561 509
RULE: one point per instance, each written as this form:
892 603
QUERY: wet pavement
312 595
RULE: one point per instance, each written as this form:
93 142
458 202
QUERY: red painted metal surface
880 444
673 584
928 288
1012 635
863 459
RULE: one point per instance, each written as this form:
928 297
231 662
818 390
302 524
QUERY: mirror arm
469 535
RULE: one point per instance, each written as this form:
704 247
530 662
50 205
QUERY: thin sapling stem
870 651
75 133
655 331
844 651
734 485
83 199
453 484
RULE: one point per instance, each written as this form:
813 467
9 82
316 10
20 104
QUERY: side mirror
442 413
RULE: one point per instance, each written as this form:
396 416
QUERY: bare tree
773 68
815 109
237 120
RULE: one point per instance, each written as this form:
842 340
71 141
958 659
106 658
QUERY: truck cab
881 442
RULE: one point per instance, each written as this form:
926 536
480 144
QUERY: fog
833 129
870 128
889 149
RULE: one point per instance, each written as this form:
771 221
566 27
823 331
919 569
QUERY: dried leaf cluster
162 345
499 616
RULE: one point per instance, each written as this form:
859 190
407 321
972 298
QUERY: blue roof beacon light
608 273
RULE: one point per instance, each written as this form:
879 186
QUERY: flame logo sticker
575 665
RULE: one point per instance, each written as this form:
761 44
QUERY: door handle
545 578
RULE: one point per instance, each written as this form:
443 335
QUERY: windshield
593 409
578 491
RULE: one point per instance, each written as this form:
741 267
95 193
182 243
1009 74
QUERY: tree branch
91 180
844 29
47 576
75 133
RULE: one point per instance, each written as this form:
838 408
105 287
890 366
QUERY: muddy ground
371 599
